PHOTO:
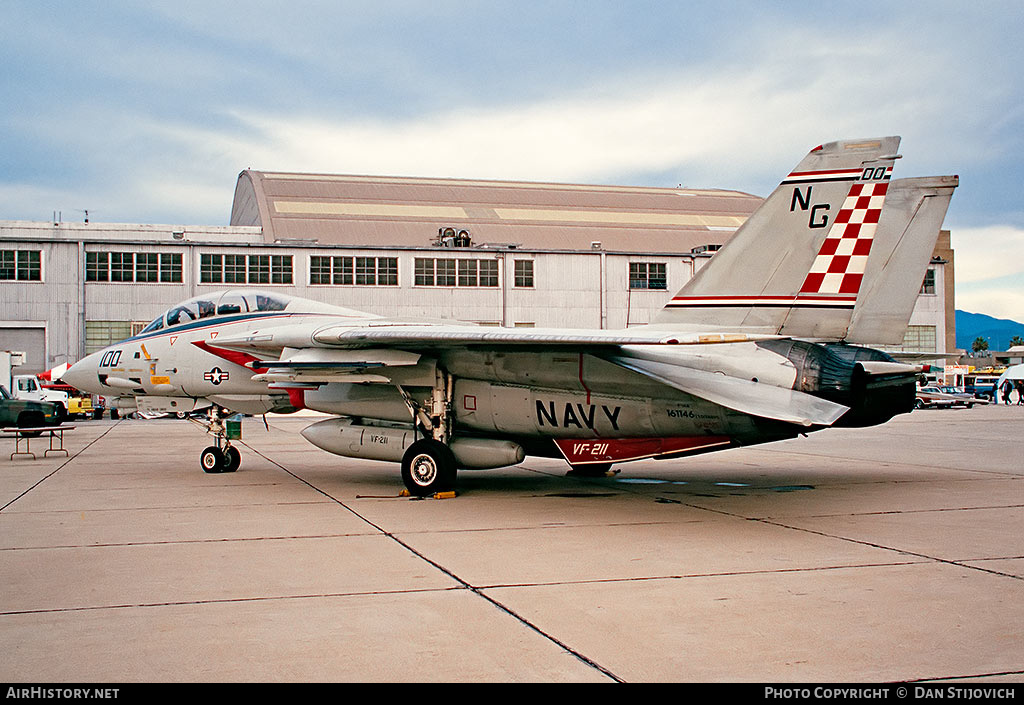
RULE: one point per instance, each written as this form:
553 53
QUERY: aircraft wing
427 337
446 336
377 353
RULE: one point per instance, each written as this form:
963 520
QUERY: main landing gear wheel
428 467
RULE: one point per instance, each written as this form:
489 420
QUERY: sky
145 112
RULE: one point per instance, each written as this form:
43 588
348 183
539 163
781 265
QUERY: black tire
30 419
428 467
212 460
115 414
232 459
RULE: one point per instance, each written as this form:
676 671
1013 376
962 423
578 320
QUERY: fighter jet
767 341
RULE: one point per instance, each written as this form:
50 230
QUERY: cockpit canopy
220 303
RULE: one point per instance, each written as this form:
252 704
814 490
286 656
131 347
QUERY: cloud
732 126
990 270
987 253
738 113
999 298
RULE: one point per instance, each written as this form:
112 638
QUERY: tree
979 345
1016 340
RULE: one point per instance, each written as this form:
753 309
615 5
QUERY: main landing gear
429 466
221 457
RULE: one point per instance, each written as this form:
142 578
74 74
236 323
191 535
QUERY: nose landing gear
222 457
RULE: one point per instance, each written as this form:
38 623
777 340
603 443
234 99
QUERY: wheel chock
437 495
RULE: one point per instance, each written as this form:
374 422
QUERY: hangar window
647 275
361 271
366 271
147 267
122 266
101 334
920 338
170 267
211 269
234 269
387 271
97 266
928 286
245 269
445 270
524 273
21 265
468 272
259 269
430 271
133 267
488 272
424 272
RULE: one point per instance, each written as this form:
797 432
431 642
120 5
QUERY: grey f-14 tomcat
767 341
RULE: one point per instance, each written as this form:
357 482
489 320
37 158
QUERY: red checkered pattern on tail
840 264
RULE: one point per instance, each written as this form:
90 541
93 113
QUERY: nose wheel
215 460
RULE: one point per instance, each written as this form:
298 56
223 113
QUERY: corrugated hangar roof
410 212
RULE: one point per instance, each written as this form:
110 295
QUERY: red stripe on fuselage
239 358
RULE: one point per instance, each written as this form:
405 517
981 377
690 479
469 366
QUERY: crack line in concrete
59 467
465 585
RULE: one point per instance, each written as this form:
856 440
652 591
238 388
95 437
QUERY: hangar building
491 252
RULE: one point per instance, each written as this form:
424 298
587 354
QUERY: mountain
997 331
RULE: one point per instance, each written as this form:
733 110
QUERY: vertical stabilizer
797 264
904 243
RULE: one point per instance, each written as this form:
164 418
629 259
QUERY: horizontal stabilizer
745 396
880 367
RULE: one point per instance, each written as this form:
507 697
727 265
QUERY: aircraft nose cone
82 375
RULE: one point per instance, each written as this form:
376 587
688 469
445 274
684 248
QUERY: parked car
934 396
931 397
28 413
960 396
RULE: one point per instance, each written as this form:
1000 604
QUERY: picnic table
26 434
